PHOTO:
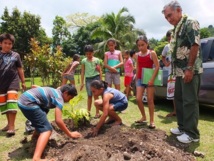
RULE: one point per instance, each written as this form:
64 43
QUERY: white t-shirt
165 53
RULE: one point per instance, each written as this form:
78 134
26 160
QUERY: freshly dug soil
114 143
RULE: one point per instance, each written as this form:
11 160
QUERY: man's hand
75 135
188 75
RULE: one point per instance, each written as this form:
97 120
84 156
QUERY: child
90 69
132 56
112 62
171 78
133 83
145 59
128 70
112 100
10 72
69 72
35 104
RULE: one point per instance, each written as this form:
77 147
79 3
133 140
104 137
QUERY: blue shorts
120 106
139 83
38 118
88 83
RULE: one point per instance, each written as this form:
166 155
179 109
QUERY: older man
187 67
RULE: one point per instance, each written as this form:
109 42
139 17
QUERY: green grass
16 150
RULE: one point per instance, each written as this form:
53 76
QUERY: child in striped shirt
35 104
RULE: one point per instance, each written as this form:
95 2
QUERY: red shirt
144 61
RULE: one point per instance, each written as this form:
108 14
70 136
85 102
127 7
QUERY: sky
147 13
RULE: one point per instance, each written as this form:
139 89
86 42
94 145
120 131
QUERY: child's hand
63 74
167 63
150 83
75 134
81 87
94 132
23 87
113 70
98 67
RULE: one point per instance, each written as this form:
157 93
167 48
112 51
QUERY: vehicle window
207 48
211 56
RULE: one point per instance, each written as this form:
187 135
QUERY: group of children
36 102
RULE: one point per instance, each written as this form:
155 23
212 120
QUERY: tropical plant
49 65
118 26
78 115
78 20
82 37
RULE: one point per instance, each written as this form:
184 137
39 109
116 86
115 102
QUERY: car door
206 93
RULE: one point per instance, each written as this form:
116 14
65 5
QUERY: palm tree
120 27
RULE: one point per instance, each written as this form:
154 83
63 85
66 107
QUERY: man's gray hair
173 4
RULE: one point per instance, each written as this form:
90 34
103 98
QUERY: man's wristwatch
189 68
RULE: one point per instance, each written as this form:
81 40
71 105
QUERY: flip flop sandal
141 122
11 132
5 128
152 126
170 115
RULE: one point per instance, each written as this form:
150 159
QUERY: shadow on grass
22 153
2 133
206 112
138 126
132 99
167 120
164 105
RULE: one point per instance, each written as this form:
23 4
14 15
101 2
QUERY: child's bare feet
142 121
152 125
11 130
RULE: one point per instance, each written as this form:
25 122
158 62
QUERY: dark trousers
187 106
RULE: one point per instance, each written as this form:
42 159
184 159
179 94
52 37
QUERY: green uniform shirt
90 67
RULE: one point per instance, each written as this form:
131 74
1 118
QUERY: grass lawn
13 148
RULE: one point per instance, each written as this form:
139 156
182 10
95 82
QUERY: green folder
147 74
113 62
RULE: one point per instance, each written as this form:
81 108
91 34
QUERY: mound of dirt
115 143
